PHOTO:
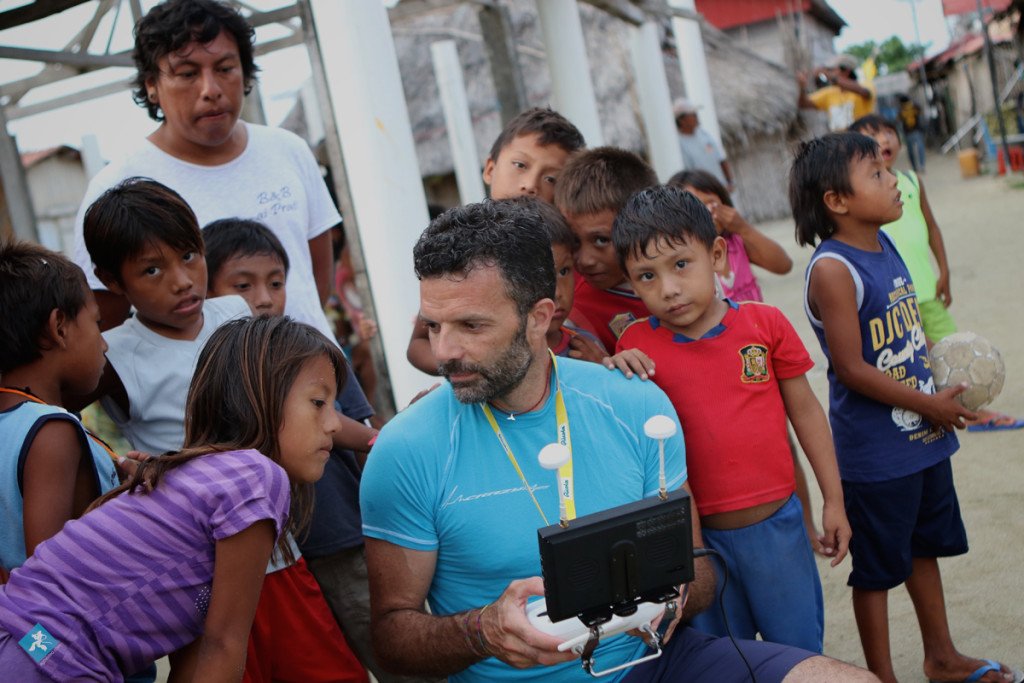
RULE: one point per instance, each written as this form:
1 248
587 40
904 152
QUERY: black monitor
607 562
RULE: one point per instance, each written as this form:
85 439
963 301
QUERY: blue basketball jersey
875 441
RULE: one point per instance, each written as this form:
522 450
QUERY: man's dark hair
703 181
33 282
551 220
601 179
172 25
230 238
660 213
132 215
871 123
551 127
503 234
823 165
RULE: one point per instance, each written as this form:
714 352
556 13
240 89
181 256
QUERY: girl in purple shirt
171 563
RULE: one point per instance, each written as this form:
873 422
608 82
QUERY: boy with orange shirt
593 186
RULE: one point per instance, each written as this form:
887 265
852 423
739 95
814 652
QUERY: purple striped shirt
130 582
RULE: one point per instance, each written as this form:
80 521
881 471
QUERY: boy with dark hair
528 155
593 187
526 159
734 373
893 433
565 337
51 467
147 247
243 257
917 237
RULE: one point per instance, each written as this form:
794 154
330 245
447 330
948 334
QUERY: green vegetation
890 56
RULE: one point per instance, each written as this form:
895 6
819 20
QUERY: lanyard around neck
100 442
562 437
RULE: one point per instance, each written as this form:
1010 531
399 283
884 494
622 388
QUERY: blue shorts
896 520
696 657
773 588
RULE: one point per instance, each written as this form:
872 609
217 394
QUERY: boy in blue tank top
893 432
51 468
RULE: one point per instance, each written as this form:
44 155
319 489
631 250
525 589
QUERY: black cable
704 552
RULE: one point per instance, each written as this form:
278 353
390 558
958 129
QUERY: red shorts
294 636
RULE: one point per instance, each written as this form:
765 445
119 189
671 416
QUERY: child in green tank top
917 237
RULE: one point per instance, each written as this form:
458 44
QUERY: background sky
878 19
119 124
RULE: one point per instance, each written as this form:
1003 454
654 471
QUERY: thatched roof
753 97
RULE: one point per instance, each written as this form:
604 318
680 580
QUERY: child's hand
836 539
423 392
943 410
367 329
129 462
585 349
942 290
631 361
727 219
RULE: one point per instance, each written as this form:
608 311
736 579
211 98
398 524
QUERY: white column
380 157
693 63
92 159
655 100
571 90
448 71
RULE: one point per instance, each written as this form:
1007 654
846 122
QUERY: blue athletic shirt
875 441
438 480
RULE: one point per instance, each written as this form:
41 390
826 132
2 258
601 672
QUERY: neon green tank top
910 234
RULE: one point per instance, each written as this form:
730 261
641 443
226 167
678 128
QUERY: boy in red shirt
593 186
734 373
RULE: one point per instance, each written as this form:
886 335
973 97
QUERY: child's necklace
35 399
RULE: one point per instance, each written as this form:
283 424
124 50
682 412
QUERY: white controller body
575 634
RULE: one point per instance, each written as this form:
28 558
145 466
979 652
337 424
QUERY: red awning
953 7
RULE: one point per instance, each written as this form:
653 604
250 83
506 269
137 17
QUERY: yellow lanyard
565 471
96 439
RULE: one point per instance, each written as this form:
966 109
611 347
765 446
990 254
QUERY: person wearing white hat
700 149
838 92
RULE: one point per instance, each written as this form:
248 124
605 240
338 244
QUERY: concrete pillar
655 100
572 91
372 120
15 184
92 158
458 120
693 63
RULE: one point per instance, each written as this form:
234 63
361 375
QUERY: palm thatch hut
755 98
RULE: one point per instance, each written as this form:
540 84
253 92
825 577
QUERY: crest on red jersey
755 364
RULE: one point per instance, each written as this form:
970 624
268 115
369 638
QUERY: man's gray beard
498 380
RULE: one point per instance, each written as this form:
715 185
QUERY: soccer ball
966 358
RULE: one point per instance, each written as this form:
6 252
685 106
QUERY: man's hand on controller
509 635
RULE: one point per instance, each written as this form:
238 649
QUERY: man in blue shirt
453 494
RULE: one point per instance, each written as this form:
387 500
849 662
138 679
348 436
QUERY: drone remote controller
575 633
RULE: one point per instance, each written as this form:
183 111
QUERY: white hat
683 106
848 62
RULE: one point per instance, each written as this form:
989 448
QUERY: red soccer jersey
725 388
609 311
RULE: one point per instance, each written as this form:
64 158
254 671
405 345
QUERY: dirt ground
981 220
